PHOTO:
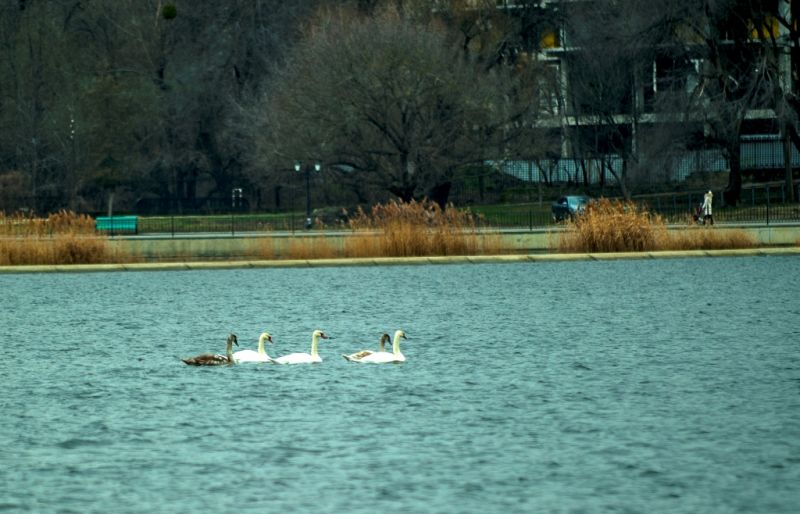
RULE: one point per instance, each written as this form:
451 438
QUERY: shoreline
393 261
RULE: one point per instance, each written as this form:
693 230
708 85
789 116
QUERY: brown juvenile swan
387 357
363 353
210 359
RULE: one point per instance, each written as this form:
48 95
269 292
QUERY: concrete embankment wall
260 246
216 252
389 261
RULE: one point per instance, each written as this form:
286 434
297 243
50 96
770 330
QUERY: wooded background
165 106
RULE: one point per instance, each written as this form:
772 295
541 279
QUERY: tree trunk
179 189
405 193
440 193
733 193
787 161
191 188
622 179
406 190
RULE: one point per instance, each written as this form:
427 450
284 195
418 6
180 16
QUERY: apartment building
655 95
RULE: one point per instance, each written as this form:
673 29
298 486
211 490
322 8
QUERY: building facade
651 95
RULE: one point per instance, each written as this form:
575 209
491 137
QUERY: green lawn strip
215 223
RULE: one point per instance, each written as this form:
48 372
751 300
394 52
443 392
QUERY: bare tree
133 97
773 27
735 75
34 129
389 99
610 49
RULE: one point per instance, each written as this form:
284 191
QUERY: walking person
708 216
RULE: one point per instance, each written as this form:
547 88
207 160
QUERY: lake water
623 386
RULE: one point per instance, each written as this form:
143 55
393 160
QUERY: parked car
567 207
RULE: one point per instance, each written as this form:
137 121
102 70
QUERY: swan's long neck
383 345
314 345
396 344
229 351
261 350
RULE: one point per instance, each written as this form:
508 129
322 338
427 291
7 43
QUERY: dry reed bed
395 229
61 238
399 229
613 226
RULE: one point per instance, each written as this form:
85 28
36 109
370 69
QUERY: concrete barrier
393 261
267 245
220 252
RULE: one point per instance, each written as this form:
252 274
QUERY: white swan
255 356
304 358
209 359
363 353
386 357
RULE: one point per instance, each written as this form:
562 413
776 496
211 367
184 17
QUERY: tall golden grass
396 229
310 248
613 226
60 238
59 223
413 229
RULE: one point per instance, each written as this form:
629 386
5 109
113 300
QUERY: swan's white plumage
357 356
386 357
304 358
252 355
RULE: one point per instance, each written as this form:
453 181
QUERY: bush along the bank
60 238
399 229
614 226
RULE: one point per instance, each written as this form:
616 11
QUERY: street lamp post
236 198
73 174
298 167
236 204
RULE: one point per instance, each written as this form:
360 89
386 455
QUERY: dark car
567 207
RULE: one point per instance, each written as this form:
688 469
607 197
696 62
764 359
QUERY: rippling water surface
623 386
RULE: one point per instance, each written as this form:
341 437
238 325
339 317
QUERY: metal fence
770 214
765 204
226 224
499 201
